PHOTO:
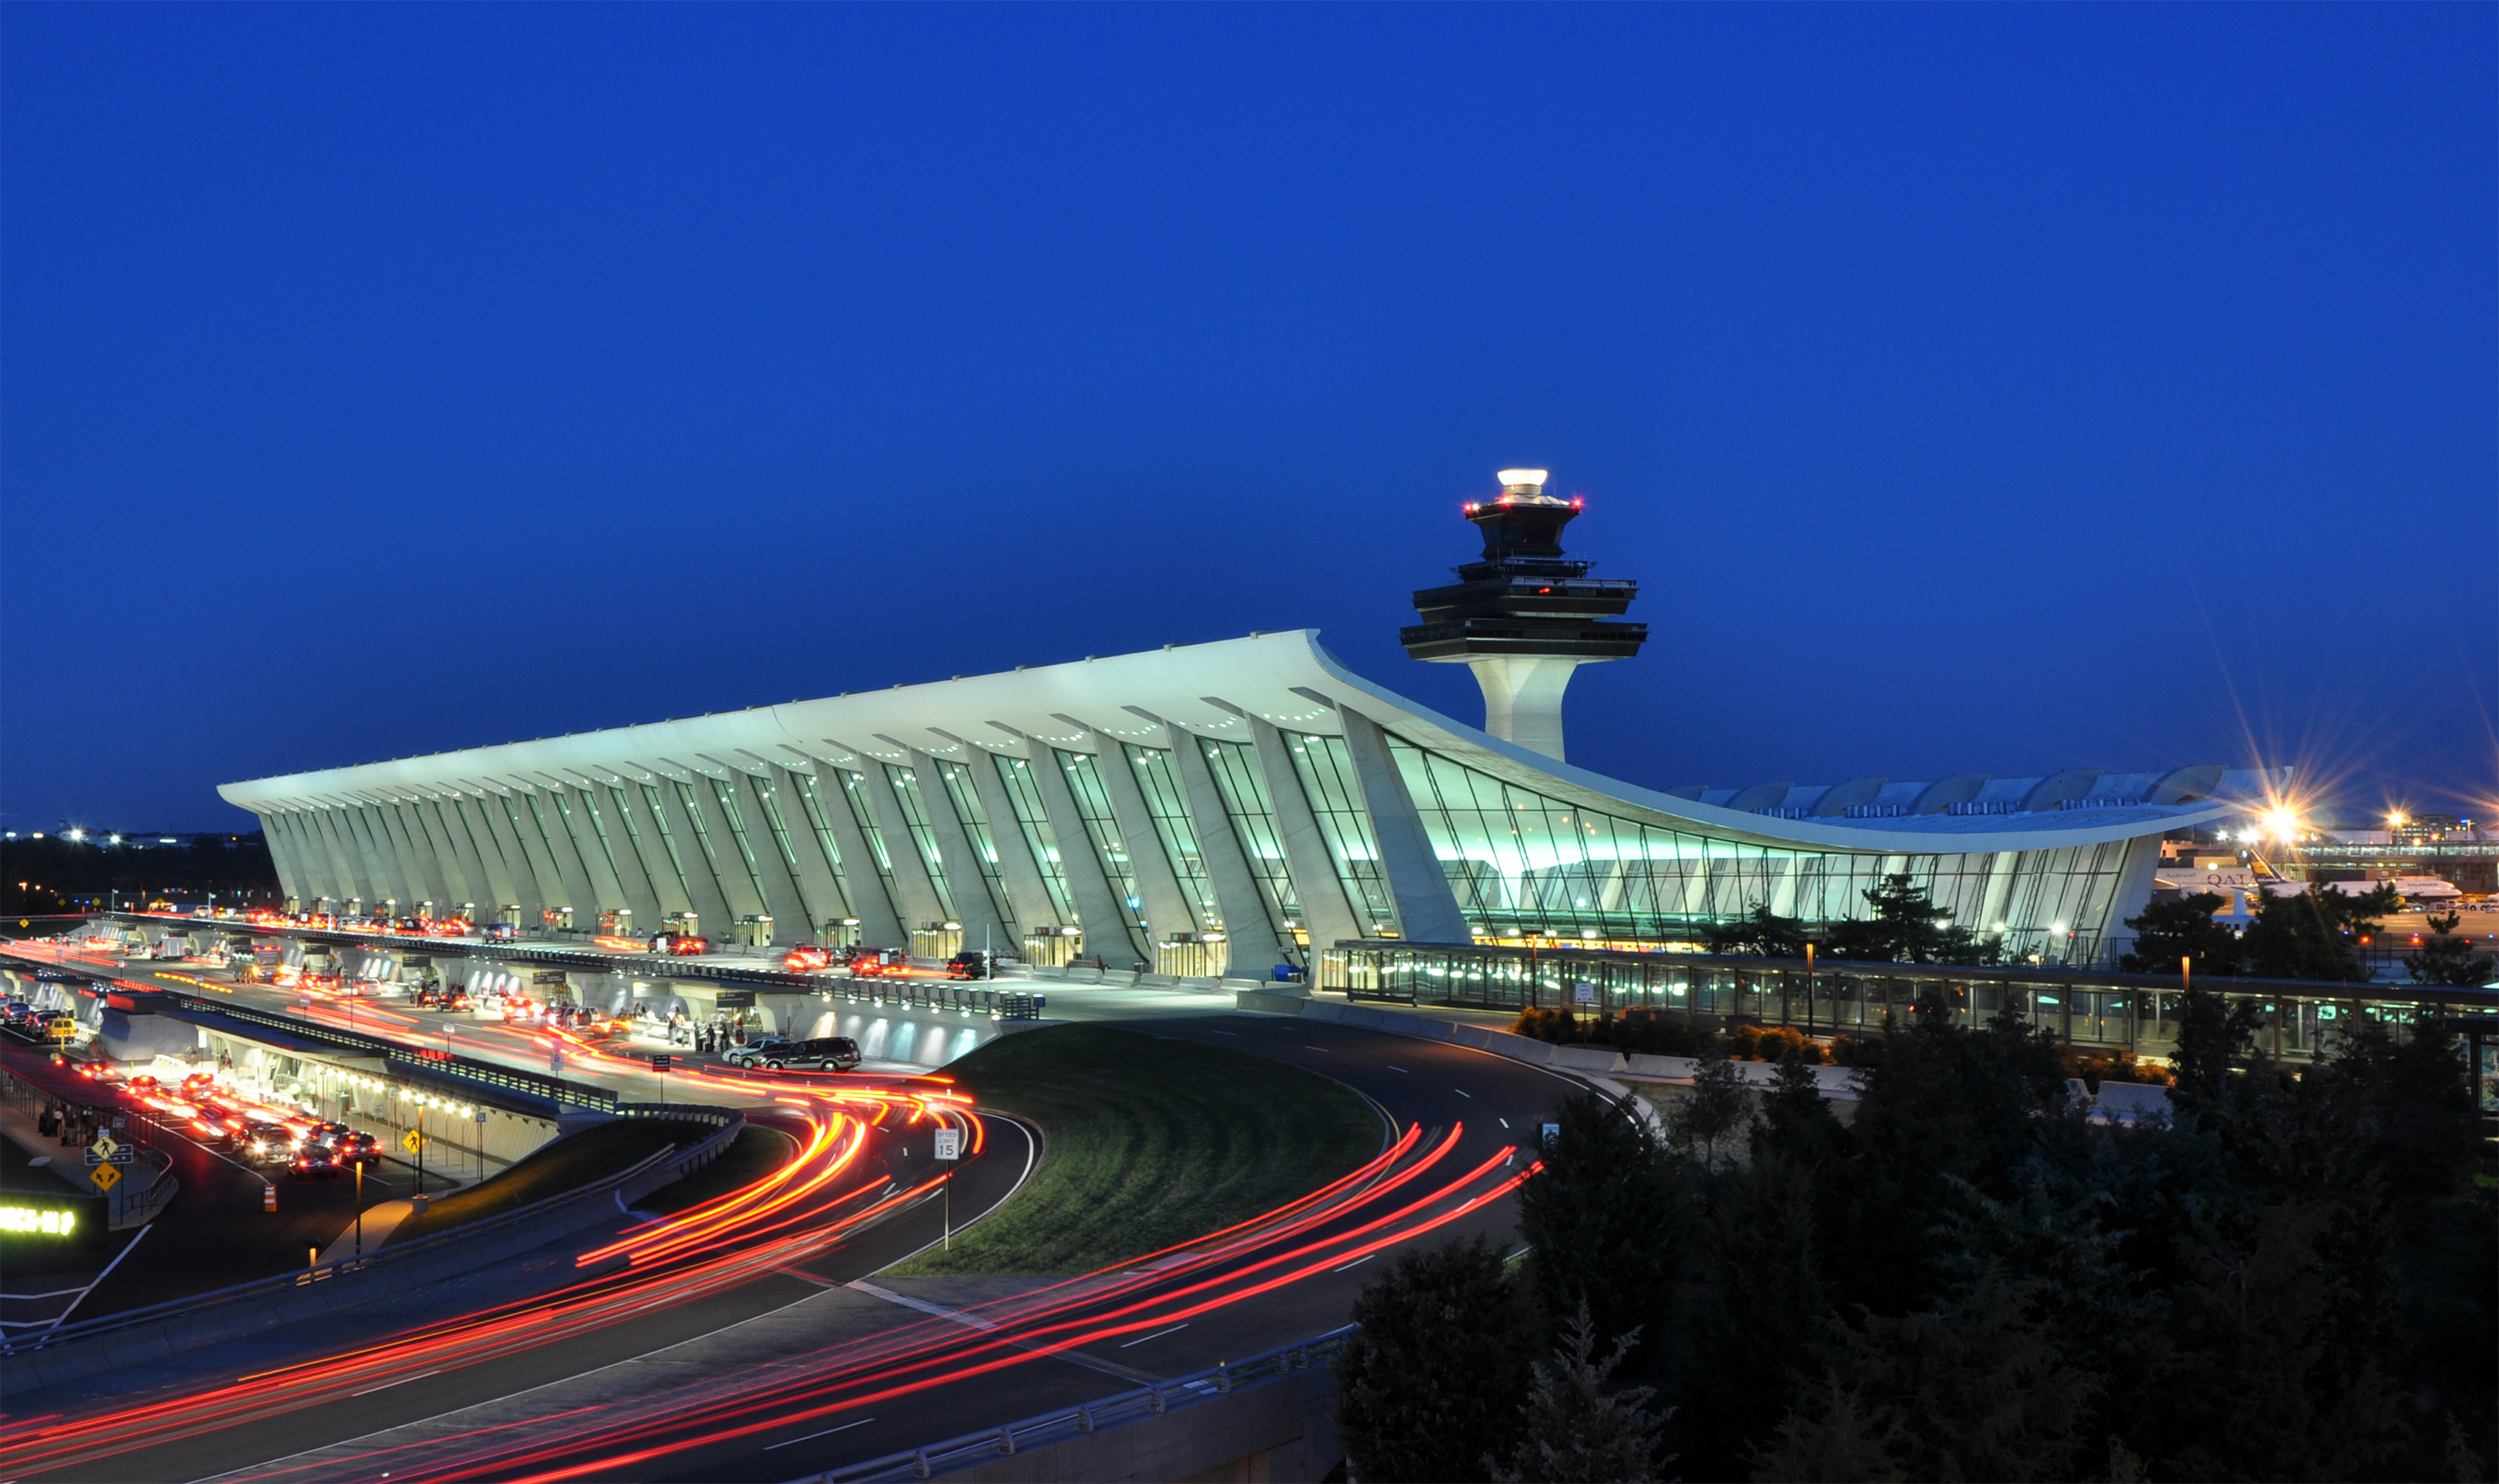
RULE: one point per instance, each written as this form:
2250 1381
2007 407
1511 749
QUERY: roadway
751 1358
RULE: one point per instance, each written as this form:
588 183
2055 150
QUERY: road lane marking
1469 1096
1400 1070
1504 1123
387 1385
826 1432
1356 1263
1157 1334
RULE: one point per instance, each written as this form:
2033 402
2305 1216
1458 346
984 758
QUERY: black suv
826 1053
971 964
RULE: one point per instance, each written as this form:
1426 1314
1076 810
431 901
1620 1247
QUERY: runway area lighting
2281 823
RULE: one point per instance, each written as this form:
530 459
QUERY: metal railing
411 1062
695 1157
1159 1400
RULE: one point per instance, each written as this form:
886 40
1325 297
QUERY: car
680 944
871 963
824 1053
270 1143
355 1148
500 932
804 957
971 964
312 1162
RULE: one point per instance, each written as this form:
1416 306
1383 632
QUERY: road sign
123 1154
411 1141
1552 1135
1584 993
949 1143
102 1147
121 1120
106 1177
663 1063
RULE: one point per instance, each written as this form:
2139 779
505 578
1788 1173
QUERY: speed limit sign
949 1143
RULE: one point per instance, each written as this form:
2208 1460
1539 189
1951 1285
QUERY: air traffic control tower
1523 616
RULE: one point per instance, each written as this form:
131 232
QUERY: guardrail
409 1060
956 1454
679 1162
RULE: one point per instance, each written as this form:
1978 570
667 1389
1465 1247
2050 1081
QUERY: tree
1716 1108
2182 929
1975 1388
1574 1430
1602 1222
1762 931
2214 1036
2449 960
1908 927
1762 1332
2315 935
1429 1385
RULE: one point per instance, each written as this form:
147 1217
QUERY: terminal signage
735 999
18 1220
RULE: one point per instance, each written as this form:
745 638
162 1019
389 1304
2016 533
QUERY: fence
958 1454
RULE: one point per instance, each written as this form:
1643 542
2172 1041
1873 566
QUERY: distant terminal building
1214 808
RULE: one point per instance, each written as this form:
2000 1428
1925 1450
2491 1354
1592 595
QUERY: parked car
824 1053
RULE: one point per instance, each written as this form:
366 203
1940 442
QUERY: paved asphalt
711 1360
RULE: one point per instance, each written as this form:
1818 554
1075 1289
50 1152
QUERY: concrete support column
285 854
1249 935
1168 908
794 916
880 914
595 853
353 873
1523 698
416 857
375 872
1099 909
920 903
815 883
526 874
1026 892
500 884
956 850
632 873
541 808
711 906
1427 910
1327 913
447 856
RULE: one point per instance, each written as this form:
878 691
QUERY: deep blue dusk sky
1971 388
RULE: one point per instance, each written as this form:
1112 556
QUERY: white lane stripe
1157 1334
1464 1093
387 1385
1356 1263
826 1432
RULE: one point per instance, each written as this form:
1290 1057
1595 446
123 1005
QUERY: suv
825 1054
972 963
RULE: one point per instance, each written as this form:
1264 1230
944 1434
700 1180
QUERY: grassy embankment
1147 1143
570 1163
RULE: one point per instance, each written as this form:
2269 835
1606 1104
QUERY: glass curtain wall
1521 863
1326 769
1093 806
766 793
863 815
966 799
703 837
726 792
1253 824
824 830
599 828
1038 837
683 900
914 818
1161 790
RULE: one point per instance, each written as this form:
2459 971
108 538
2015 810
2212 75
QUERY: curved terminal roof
1289 681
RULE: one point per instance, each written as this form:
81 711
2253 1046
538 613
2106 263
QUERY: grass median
1148 1142
569 1163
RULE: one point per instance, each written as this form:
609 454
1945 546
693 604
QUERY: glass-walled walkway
2120 1011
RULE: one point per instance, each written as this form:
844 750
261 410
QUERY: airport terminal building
1212 809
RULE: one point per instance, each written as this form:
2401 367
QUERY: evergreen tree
2315 934
1797 1122
2447 960
1603 1220
2183 929
1429 1386
1908 927
2214 1036
1760 1334
1717 1107
1760 931
1573 1430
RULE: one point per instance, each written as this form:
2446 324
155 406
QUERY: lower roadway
788 1372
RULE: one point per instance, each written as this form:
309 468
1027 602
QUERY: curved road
740 1353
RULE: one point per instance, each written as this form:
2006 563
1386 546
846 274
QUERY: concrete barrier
143 1336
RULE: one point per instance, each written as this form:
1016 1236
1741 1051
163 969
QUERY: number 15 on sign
950 1149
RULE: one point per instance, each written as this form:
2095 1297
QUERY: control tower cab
1523 616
